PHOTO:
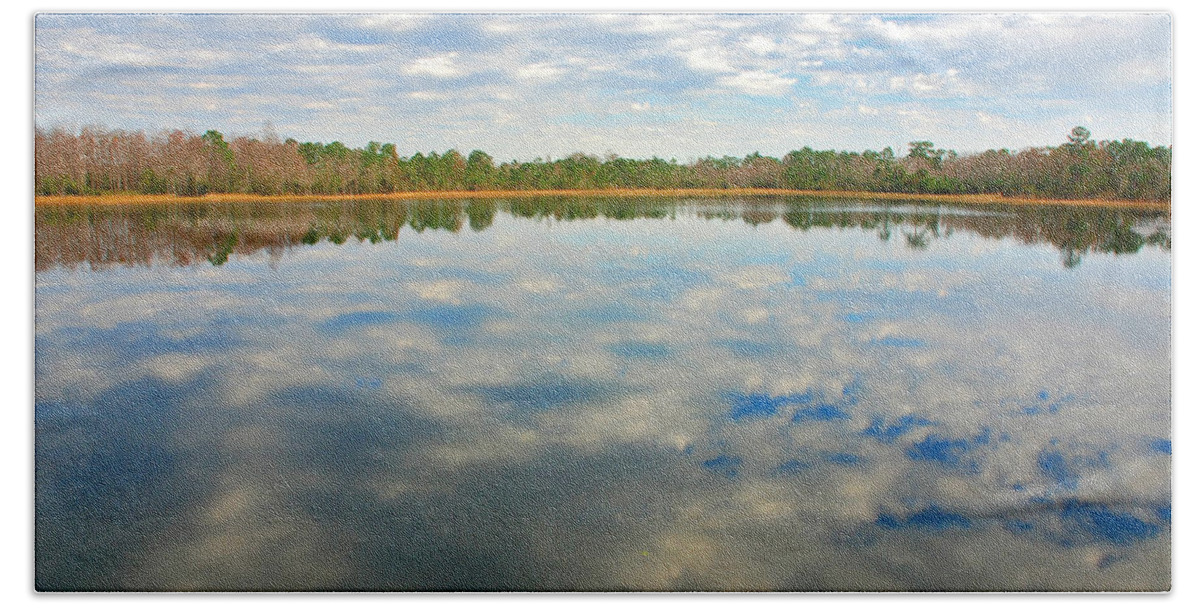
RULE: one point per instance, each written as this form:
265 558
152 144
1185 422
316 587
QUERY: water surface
786 394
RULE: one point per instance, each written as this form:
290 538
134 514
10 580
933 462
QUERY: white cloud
718 79
1143 71
756 277
945 83
437 66
758 83
392 21
541 72
312 43
426 95
708 60
448 291
760 45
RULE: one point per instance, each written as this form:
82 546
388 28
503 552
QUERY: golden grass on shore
966 199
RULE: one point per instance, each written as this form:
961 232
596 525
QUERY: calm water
602 394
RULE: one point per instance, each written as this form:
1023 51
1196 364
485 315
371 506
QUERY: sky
675 85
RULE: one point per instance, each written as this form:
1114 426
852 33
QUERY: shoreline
965 199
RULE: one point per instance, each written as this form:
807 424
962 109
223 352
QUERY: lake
602 394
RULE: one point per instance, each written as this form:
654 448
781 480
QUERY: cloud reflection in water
638 404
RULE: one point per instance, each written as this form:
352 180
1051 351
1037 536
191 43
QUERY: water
603 394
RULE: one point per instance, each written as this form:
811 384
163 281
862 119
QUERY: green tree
222 170
1079 136
920 149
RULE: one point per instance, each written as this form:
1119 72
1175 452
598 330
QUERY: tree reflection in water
142 235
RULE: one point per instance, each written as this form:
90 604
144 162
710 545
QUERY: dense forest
95 161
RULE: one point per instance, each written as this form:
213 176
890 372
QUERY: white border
17 365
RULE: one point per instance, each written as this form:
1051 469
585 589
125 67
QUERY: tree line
95 161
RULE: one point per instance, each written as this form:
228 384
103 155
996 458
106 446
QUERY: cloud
439 66
921 85
447 291
539 72
732 83
759 44
758 83
392 21
757 277
708 60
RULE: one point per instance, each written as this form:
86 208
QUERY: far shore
965 199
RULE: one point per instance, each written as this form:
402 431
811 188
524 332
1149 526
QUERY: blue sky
672 85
